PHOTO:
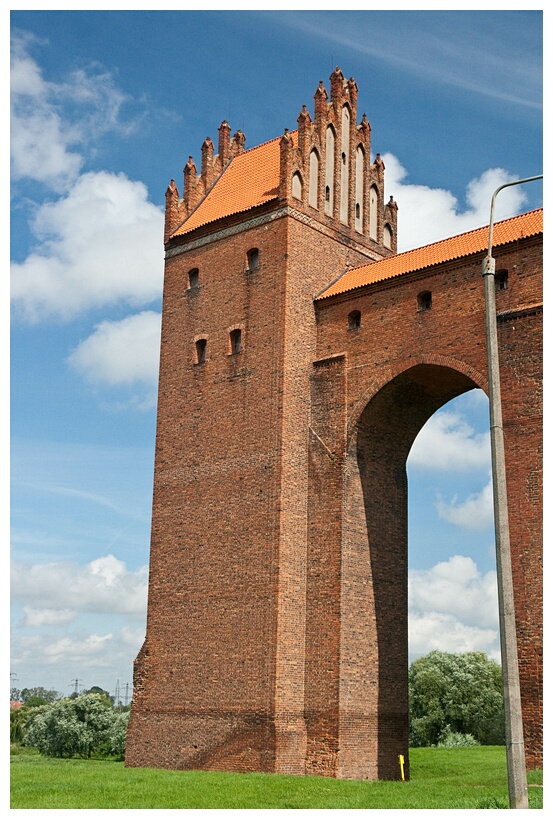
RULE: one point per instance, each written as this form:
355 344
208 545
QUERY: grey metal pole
516 763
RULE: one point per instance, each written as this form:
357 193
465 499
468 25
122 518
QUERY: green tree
45 694
35 702
455 694
97 690
118 734
19 720
72 727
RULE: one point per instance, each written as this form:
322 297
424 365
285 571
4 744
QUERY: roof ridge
267 142
451 238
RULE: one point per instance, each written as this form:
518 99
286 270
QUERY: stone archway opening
374 568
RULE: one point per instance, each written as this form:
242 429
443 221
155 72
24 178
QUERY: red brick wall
400 366
277 613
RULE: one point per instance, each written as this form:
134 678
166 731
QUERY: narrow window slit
201 350
235 342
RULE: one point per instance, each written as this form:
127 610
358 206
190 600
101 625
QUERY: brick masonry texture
277 613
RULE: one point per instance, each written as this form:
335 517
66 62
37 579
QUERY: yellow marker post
401 764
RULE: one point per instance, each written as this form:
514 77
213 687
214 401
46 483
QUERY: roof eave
221 223
417 271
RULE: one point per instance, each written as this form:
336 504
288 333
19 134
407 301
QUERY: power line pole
77 682
13 678
514 735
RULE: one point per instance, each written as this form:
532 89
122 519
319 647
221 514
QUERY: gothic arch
314 165
345 163
374 207
330 169
297 185
359 187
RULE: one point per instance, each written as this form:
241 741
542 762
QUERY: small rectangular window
252 259
201 351
235 342
424 301
354 320
501 280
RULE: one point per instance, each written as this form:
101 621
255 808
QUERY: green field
440 778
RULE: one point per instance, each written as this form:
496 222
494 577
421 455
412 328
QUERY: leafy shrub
19 721
117 736
454 739
72 727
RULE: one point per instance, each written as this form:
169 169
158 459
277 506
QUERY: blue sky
106 109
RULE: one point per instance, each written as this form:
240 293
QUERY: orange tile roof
250 179
475 241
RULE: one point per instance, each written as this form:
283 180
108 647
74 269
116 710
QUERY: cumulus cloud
40 139
70 648
448 442
454 608
456 587
443 632
475 512
97 242
430 214
121 352
51 123
102 586
98 246
35 618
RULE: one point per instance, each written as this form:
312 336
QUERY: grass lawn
440 778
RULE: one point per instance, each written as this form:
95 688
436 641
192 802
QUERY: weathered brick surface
402 365
277 612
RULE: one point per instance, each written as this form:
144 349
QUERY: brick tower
300 357
219 681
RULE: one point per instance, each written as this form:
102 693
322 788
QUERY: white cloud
454 608
121 352
443 632
475 513
74 649
36 618
40 140
51 123
99 242
99 245
456 587
448 442
103 586
432 214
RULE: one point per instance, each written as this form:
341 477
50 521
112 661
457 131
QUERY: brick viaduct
277 614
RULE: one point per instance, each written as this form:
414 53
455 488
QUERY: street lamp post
516 764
